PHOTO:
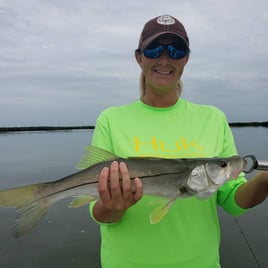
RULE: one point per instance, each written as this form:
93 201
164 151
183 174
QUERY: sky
62 61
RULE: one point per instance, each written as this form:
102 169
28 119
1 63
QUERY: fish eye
223 163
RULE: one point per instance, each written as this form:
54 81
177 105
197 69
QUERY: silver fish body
169 178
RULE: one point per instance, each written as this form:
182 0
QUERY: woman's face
164 72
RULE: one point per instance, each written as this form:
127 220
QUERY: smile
163 72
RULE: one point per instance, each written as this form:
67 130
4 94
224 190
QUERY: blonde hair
143 86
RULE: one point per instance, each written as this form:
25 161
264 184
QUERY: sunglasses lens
153 53
155 50
175 53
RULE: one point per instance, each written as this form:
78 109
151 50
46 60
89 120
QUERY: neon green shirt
189 235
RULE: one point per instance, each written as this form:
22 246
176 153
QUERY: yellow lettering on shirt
186 145
159 147
138 143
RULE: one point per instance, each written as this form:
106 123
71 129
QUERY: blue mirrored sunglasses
173 52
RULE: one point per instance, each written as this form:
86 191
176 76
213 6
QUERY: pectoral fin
163 207
81 200
161 210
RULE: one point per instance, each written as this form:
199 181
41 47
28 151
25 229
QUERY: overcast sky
63 61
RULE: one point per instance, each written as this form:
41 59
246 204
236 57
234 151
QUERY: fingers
139 189
116 188
103 188
126 183
128 191
115 184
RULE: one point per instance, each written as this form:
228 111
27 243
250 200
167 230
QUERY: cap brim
153 37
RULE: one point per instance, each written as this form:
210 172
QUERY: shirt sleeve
226 196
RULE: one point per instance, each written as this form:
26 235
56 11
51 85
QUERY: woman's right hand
116 193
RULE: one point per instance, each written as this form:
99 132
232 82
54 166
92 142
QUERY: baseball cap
161 25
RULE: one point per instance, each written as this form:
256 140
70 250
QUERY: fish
169 179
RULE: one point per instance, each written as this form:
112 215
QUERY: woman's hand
117 192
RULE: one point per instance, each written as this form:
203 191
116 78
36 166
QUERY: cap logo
165 20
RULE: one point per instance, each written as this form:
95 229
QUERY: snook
169 178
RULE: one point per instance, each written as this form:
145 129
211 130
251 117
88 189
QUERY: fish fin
18 197
163 206
94 155
81 200
145 157
30 207
161 210
28 217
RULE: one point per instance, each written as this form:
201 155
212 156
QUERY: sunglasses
155 50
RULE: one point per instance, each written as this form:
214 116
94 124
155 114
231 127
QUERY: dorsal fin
94 155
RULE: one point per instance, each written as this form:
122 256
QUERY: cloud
65 61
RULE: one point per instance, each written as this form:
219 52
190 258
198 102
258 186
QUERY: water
65 237
69 238
244 239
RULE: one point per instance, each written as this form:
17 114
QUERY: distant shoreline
249 124
59 128
43 128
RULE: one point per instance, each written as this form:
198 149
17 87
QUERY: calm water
69 238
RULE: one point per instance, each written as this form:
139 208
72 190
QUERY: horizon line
56 128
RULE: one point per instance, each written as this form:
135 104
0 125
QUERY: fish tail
30 207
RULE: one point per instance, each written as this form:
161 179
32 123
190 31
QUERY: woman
163 124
